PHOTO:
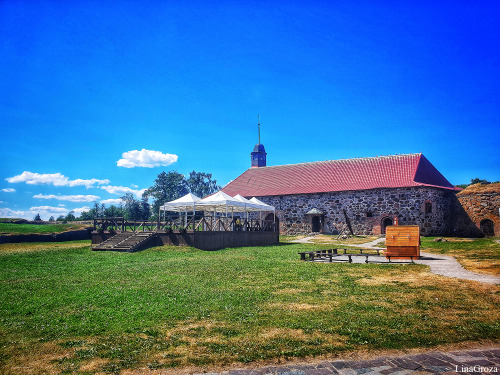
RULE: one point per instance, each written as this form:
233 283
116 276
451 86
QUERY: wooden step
125 241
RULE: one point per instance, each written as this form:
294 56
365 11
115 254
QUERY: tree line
476 180
166 187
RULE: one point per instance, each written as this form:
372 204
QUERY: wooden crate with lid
402 241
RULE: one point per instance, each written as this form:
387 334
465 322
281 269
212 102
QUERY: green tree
96 210
87 215
113 211
52 218
479 181
60 218
132 207
70 216
145 209
37 218
476 180
167 187
201 184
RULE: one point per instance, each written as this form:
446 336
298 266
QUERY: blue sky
85 84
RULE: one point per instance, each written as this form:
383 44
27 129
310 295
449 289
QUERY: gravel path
448 266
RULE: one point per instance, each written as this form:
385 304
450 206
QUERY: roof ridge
332 160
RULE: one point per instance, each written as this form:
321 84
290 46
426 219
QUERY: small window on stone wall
428 207
369 214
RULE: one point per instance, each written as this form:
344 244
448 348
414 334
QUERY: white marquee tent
218 202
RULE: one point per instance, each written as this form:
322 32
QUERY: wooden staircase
125 241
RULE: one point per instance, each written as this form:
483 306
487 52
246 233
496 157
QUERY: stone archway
316 224
385 223
487 226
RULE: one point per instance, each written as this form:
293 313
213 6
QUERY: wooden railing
211 224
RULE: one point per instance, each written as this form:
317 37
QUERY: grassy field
9 228
66 309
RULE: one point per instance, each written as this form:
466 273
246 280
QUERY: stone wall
482 204
73 235
366 210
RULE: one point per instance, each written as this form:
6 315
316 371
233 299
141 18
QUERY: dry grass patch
423 278
26 247
492 267
298 306
94 365
37 359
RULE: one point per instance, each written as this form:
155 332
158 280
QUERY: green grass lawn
10 228
64 308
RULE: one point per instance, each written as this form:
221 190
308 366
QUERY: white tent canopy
218 202
262 204
251 206
221 201
187 202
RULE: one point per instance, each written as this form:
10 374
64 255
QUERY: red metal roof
338 175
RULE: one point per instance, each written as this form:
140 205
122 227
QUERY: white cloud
122 190
78 211
56 179
7 212
145 158
112 201
2 202
59 210
70 198
88 183
9 190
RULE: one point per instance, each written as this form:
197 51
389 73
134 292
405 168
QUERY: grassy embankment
11 228
65 308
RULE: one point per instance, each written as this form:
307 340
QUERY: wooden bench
331 254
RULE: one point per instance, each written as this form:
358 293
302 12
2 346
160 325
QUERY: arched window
428 207
487 226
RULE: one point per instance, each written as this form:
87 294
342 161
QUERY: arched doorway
316 224
271 221
385 223
487 226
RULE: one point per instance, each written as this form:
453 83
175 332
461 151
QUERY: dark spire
258 121
258 155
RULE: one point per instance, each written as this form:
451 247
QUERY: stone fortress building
365 195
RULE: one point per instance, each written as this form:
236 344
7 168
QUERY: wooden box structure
402 241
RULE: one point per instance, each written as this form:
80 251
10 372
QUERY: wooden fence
205 224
